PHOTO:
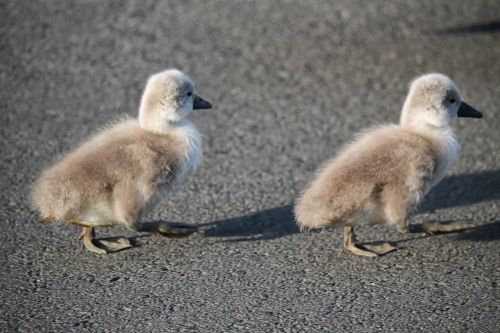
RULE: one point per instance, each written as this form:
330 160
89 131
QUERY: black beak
200 103
468 111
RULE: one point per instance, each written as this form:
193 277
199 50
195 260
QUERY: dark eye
452 100
191 94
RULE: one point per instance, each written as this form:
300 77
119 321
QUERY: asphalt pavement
291 82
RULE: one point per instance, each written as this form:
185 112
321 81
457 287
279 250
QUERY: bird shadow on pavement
267 224
478 28
462 190
486 232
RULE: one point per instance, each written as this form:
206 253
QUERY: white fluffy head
432 102
167 99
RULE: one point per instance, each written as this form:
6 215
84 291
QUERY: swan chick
119 174
383 175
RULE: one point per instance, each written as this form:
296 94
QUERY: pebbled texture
291 81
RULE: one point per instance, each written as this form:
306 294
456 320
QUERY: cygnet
122 172
384 174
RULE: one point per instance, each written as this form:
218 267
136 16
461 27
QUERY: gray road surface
291 82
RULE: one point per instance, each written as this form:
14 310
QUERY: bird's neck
445 142
442 135
160 125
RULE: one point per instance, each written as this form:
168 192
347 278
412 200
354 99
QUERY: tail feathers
310 215
53 200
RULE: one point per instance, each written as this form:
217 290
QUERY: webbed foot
380 248
175 230
366 250
441 228
102 246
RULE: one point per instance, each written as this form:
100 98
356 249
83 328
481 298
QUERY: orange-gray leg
430 228
128 203
398 206
440 228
